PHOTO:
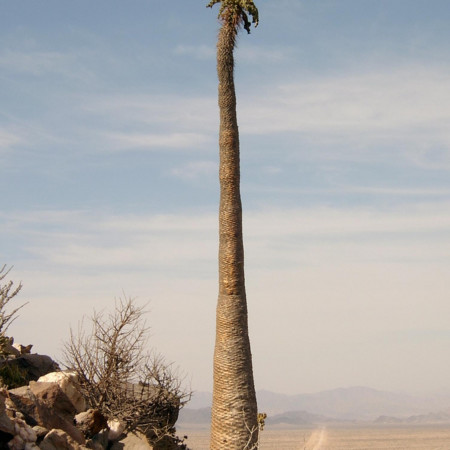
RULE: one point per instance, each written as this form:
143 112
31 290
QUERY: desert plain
342 437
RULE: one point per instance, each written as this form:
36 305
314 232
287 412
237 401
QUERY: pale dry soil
342 438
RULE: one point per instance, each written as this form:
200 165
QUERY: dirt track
317 440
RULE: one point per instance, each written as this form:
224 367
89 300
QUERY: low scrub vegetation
116 373
118 376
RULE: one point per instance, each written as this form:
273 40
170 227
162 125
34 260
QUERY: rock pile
49 413
43 415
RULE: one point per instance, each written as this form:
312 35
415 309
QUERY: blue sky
108 169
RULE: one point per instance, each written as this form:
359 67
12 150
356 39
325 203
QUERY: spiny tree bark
234 411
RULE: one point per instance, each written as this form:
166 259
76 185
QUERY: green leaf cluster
237 9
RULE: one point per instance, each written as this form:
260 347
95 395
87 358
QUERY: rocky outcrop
40 414
26 367
44 405
14 431
48 412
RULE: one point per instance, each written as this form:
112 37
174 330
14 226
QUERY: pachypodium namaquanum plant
234 418
237 11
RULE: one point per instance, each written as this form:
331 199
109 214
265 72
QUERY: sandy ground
305 439
435 437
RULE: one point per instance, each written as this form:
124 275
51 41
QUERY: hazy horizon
108 168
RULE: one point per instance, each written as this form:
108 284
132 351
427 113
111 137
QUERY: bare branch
120 377
7 292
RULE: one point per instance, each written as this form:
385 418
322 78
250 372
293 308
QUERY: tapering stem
234 413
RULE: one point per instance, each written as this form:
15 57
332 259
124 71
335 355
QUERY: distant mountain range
345 404
422 419
202 416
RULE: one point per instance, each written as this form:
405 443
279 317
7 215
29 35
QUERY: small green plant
256 431
12 376
261 420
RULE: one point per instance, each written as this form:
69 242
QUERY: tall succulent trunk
234 412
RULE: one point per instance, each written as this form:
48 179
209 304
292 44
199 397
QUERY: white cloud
325 277
198 52
84 239
44 63
8 139
196 169
378 191
397 192
191 114
130 141
400 114
32 62
251 54
407 108
152 122
329 222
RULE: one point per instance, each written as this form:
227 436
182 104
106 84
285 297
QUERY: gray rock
40 432
116 429
52 396
59 440
21 403
99 441
36 365
133 441
6 424
32 365
25 437
68 381
91 422
10 348
46 405
23 349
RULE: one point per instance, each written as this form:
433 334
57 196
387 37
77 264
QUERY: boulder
59 440
99 441
52 396
132 441
92 445
7 429
55 410
33 365
49 420
91 422
46 405
23 349
37 365
116 429
68 382
6 424
21 403
40 432
15 433
25 437
9 348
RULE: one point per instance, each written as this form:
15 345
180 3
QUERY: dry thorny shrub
7 292
117 374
